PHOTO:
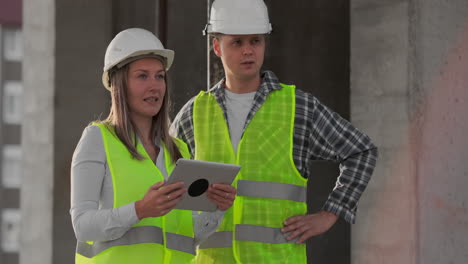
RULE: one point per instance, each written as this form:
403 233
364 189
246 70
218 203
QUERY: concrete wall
440 104
385 231
408 91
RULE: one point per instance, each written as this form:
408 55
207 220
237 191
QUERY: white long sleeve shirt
92 196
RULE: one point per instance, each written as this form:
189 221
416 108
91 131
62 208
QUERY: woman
121 213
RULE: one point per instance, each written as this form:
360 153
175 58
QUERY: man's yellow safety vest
269 187
166 239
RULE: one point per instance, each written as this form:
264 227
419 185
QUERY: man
273 131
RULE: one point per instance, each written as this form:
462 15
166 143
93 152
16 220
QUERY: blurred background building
11 91
397 69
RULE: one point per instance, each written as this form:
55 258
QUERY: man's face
242 55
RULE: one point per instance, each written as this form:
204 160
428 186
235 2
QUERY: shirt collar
268 84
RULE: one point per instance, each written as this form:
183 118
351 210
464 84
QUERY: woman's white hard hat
238 17
130 44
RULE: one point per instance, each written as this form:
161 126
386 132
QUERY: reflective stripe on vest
136 235
254 233
218 240
273 190
180 243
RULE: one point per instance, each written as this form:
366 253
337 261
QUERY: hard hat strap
205 30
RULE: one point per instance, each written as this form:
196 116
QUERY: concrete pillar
439 97
65 43
408 91
37 134
386 231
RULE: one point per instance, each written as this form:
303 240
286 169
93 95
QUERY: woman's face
146 88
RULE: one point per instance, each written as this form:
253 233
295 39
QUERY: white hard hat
238 17
132 43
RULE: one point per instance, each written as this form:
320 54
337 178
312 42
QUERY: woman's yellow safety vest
166 239
269 187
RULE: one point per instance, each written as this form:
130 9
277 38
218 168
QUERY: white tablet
197 176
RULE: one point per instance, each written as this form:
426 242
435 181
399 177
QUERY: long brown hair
119 117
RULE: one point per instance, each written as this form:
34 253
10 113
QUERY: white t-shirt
237 108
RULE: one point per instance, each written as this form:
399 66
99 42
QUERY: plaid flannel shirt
319 134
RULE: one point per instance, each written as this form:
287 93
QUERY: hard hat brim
165 53
239 30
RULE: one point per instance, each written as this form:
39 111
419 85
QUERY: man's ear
217 47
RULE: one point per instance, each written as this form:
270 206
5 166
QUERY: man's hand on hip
309 225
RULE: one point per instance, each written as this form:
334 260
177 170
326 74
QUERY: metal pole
208 82
162 23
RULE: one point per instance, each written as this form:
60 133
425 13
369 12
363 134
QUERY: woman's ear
217 47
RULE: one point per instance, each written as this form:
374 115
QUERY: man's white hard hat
131 44
238 17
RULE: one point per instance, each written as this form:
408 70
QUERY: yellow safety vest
269 187
166 239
